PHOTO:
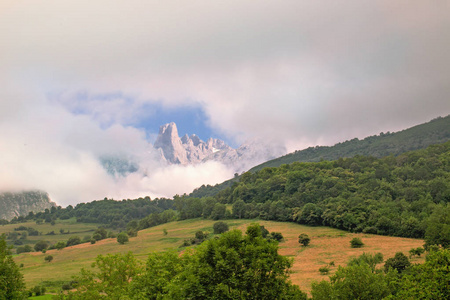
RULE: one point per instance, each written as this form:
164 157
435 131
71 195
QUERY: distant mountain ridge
436 131
20 204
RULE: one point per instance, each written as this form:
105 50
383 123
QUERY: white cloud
304 72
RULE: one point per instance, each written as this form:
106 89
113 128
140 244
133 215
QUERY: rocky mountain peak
196 140
170 144
192 150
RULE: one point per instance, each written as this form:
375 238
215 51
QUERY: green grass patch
169 239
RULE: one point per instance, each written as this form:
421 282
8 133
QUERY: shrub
75 240
40 246
39 290
304 239
60 245
276 236
416 251
220 227
48 258
122 238
399 262
26 248
324 270
86 238
200 235
356 243
132 232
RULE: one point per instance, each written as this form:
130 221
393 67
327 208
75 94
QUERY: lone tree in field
356 243
48 258
122 238
304 239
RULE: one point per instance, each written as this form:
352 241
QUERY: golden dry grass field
327 245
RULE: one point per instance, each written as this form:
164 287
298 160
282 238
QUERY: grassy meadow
327 245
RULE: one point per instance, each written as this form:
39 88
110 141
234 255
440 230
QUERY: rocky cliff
21 203
192 150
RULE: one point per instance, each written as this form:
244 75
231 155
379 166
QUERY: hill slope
421 136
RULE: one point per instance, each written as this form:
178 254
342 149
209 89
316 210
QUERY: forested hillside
406 195
421 136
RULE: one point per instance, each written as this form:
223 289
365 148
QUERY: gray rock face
188 149
170 144
20 204
192 150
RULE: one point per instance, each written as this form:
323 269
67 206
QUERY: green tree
160 270
110 278
97 236
220 227
100 234
12 285
416 251
304 239
75 240
352 282
438 229
40 246
429 280
48 258
399 262
369 259
238 209
311 214
122 238
22 249
218 211
60 245
356 243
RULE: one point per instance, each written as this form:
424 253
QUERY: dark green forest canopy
418 137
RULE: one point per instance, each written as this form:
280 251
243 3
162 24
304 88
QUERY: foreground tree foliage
234 266
12 285
361 280
357 281
430 280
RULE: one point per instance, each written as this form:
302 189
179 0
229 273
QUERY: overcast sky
81 79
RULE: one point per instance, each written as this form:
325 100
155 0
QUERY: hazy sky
81 79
